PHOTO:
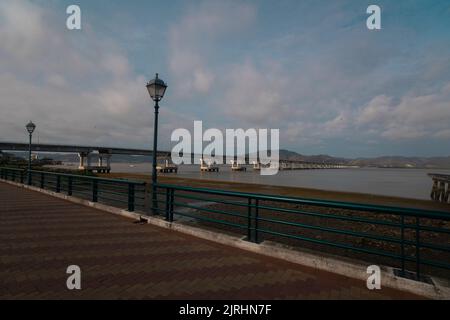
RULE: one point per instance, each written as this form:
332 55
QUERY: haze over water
405 183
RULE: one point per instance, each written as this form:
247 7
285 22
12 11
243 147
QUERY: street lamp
156 88
30 128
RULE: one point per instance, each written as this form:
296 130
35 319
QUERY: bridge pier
441 187
85 160
104 162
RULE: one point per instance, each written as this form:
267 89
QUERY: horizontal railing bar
332 216
210 210
241 204
100 198
335 244
334 204
122 181
211 220
333 230
436 264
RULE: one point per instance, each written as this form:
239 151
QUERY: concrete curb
343 266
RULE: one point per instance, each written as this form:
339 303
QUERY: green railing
126 194
408 238
404 238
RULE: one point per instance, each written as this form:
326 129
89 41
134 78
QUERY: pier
104 162
440 190
236 166
167 167
208 166
78 197
126 260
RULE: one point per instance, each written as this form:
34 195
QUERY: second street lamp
30 128
156 88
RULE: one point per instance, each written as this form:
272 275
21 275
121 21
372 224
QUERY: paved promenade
40 236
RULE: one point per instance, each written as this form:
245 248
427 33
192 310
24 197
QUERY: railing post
69 186
130 197
30 178
42 180
167 204
94 190
58 183
172 198
249 219
418 248
256 219
21 177
403 244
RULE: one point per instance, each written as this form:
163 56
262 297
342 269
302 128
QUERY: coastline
300 192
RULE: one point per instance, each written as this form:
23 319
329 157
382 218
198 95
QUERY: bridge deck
42 235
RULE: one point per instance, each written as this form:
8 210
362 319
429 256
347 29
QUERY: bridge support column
85 160
104 162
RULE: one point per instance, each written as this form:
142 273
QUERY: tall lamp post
30 128
156 88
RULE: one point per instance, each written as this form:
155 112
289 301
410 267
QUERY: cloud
322 82
77 87
412 117
256 97
21 28
195 40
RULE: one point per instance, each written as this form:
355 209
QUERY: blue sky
309 68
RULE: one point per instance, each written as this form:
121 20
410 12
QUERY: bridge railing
120 193
407 239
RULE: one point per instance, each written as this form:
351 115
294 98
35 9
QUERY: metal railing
409 238
404 238
125 194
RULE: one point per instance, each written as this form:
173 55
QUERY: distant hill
291 155
380 162
403 162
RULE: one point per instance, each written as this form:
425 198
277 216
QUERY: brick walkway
40 236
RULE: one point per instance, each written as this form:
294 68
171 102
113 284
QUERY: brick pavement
41 235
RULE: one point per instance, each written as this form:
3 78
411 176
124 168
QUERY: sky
309 68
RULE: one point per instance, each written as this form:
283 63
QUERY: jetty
440 190
167 167
257 166
208 166
236 166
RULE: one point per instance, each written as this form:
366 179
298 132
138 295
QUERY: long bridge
104 154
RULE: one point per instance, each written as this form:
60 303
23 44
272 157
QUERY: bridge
85 153
104 154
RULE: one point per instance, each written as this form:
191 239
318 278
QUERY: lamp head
30 127
156 88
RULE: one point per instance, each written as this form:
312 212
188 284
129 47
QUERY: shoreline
300 192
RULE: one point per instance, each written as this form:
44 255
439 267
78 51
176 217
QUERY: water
406 183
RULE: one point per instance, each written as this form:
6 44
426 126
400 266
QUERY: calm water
407 183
